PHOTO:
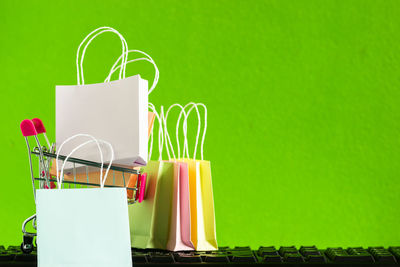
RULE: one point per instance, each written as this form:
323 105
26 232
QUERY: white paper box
83 227
115 111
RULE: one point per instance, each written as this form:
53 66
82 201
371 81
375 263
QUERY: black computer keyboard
268 256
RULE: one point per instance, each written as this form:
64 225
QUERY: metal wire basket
80 174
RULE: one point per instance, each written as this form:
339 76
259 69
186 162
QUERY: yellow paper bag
202 212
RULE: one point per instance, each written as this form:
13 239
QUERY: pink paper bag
179 234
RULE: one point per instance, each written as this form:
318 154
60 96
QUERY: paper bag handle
185 146
102 181
149 59
95 33
198 132
167 137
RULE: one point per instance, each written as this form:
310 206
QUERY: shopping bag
202 213
206 231
83 227
161 221
170 221
180 226
150 221
115 111
179 232
118 178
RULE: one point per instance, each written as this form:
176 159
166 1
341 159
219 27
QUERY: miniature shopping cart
80 175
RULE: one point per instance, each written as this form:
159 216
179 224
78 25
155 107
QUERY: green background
303 99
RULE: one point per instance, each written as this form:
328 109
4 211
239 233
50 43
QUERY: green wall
303 98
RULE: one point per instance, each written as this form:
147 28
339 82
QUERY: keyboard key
385 258
331 253
361 253
293 257
315 258
341 255
262 251
381 254
160 257
395 251
244 258
311 250
271 253
291 249
272 258
357 251
216 258
353 258
187 257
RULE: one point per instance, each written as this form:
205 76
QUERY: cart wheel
26 248
27 244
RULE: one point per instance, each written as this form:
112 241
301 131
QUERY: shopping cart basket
45 155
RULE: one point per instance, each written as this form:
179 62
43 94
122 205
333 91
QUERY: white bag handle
167 137
204 129
149 59
61 176
160 133
96 32
186 146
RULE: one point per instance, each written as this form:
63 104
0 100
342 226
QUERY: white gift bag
115 111
83 227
